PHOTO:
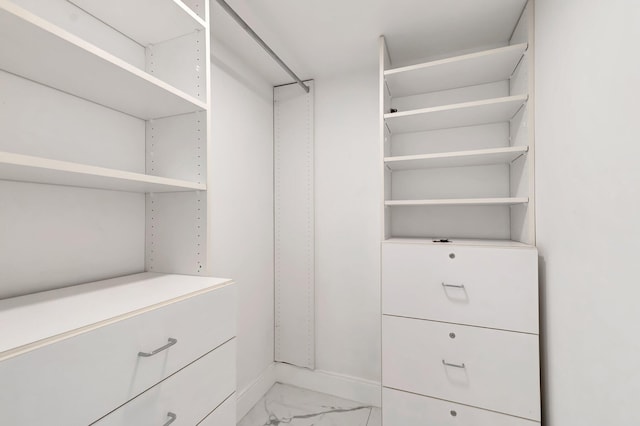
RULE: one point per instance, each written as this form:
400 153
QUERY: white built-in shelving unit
459 267
457 144
104 140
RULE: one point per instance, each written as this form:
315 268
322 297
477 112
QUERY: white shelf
457 115
458 242
460 71
145 21
75 309
456 159
25 168
459 202
40 51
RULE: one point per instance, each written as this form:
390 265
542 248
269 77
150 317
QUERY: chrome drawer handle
172 418
452 285
448 364
167 346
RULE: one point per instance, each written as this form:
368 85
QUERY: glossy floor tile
289 405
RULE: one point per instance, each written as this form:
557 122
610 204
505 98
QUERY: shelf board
460 71
145 21
456 159
460 202
40 51
25 168
75 309
486 111
458 242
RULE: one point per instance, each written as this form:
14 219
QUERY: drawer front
483 286
84 377
490 369
188 396
406 409
224 415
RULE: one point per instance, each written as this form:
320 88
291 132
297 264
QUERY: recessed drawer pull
167 346
172 418
452 285
448 364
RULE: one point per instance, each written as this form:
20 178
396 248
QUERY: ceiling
320 38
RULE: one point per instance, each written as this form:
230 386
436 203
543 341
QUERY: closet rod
264 45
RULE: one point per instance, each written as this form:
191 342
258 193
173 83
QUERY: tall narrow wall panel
294 225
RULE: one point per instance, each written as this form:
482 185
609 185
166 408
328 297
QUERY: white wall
242 230
348 225
588 207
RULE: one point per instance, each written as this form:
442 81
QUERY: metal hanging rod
261 42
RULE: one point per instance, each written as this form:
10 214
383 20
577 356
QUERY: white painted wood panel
456 159
75 309
55 236
224 414
294 225
500 284
25 168
456 115
73 19
407 409
38 50
458 221
176 232
63 127
469 138
187 396
181 63
484 368
458 95
458 202
473 182
145 21
459 242
100 369
460 71
176 147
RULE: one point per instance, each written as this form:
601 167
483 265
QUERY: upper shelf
457 115
145 21
478 157
460 71
40 51
25 168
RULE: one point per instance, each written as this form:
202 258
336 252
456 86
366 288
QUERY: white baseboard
340 385
250 395
348 387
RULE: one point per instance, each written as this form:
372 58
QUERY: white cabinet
83 351
407 409
493 369
459 277
104 147
187 396
460 324
494 288
105 130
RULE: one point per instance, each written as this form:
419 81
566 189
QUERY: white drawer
424 281
187 397
83 377
224 415
491 369
406 409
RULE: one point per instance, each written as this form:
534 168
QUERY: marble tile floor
286 405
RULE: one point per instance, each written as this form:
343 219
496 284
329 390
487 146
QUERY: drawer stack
160 359
460 335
